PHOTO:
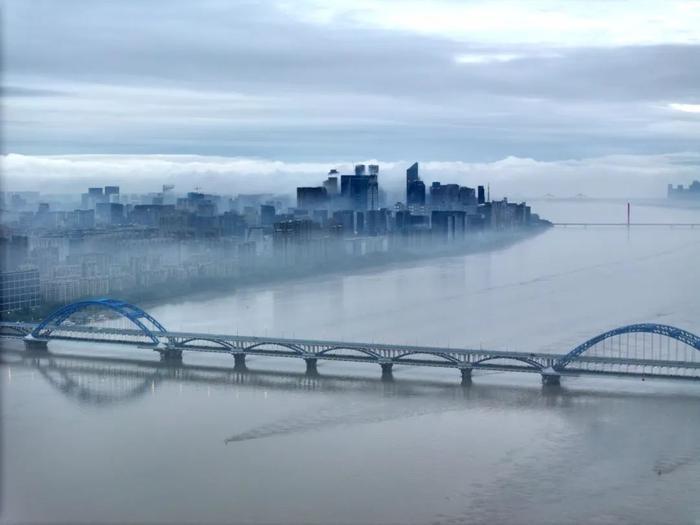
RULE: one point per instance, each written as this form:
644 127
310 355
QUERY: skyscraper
360 191
312 198
480 195
373 188
111 190
412 173
267 214
331 185
415 188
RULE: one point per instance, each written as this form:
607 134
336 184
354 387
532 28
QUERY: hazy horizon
614 176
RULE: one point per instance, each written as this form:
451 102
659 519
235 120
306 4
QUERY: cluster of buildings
102 242
692 192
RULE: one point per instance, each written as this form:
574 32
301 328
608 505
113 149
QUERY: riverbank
493 241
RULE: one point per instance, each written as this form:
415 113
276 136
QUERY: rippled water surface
106 434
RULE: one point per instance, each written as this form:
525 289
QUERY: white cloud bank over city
624 176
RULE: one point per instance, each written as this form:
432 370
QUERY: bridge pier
466 376
173 357
35 344
311 366
239 360
387 374
550 378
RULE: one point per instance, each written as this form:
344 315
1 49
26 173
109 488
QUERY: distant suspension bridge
637 350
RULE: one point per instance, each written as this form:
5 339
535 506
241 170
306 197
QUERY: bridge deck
384 354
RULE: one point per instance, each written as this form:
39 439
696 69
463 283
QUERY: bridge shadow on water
104 381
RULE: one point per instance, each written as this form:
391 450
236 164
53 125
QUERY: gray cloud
247 78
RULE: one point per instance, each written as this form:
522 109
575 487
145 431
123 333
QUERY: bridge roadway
386 355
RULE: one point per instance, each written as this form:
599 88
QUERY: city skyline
615 176
103 241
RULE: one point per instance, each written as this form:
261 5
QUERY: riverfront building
692 192
160 243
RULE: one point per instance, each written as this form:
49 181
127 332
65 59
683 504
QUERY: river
90 441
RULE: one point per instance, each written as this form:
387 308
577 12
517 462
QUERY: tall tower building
415 188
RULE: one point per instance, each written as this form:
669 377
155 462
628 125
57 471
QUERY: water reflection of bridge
108 381
637 350
96 380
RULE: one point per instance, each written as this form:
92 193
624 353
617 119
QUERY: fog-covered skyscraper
415 188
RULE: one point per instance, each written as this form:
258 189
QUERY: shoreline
216 287
367 263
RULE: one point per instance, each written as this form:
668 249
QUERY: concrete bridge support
466 376
173 357
387 374
239 360
35 344
311 366
551 379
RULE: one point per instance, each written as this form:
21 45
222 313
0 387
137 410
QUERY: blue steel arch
525 360
679 334
446 357
133 313
356 349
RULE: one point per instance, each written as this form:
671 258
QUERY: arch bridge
637 350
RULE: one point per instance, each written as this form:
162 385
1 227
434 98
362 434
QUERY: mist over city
355 262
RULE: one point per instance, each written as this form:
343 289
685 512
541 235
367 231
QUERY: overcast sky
289 86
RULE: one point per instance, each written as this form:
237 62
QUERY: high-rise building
82 219
481 199
92 197
373 189
14 250
467 196
680 192
412 173
359 192
110 191
345 219
448 225
360 170
415 188
377 222
444 196
331 185
292 240
111 213
360 222
267 215
19 289
415 195
313 198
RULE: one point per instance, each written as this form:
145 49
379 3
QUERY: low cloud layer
611 176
